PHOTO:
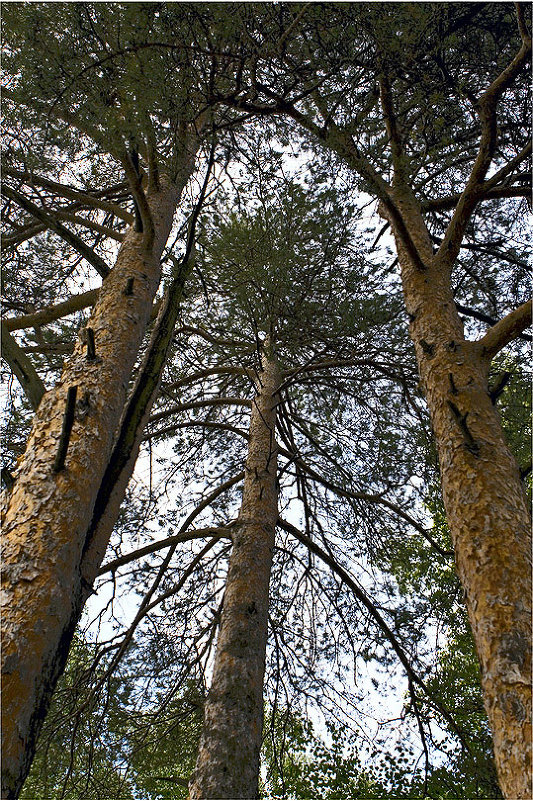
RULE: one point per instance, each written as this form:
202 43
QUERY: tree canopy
342 190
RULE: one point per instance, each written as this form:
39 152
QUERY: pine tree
71 479
420 102
415 101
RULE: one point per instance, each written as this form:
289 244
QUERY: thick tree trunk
484 499
49 511
228 758
127 444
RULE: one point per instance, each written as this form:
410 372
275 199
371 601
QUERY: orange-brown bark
484 499
73 304
48 513
228 758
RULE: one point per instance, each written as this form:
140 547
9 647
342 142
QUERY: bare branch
450 201
331 364
49 220
363 598
485 318
202 332
209 371
200 533
29 231
86 198
48 315
147 605
368 497
91 224
22 367
195 423
507 169
473 190
507 329
200 404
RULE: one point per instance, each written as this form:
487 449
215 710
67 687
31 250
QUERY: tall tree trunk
228 758
51 506
484 499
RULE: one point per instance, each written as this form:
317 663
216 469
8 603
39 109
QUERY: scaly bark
121 463
47 518
73 304
484 499
137 411
228 758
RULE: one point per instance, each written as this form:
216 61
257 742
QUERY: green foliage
429 590
163 747
276 267
300 764
103 744
80 751
84 81
467 772
457 770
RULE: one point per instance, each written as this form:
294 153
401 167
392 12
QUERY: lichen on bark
48 513
483 496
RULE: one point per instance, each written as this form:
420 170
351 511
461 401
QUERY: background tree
108 745
309 767
80 751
